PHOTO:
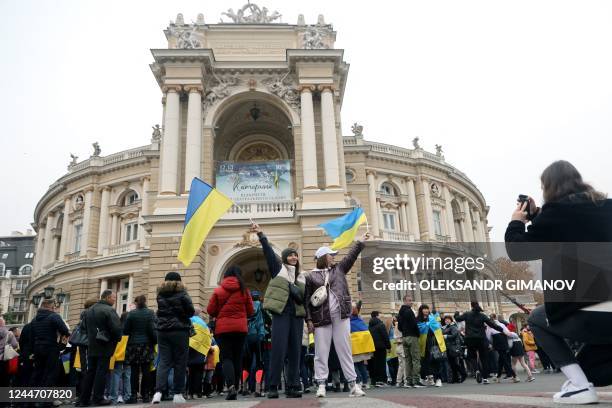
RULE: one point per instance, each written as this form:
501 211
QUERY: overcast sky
505 87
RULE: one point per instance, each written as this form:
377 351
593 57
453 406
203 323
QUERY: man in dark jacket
476 338
103 333
407 324
381 345
45 328
174 311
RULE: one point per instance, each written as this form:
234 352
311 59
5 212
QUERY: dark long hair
561 180
420 315
237 273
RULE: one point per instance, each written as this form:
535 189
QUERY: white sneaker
156 398
356 391
120 400
178 399
321 391
572 394
438 383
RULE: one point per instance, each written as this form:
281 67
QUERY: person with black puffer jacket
380 336
45 328
476 339
174 311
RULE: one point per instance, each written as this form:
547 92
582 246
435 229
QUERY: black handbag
102 336
296 294
78 336
436 353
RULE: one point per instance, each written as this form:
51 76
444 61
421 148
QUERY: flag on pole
206 205
344 229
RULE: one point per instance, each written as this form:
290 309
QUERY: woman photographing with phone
573 212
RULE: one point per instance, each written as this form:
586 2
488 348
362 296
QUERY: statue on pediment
357 129
97 150
257 15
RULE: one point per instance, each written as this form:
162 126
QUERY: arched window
388 189
130 198
25 270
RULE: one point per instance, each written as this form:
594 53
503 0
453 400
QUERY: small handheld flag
206 205
344 229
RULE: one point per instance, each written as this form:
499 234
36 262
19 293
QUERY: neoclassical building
252 106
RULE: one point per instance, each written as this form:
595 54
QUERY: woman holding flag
328 310
284 299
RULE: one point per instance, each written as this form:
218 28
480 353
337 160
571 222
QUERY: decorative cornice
171 88
307 87
324 87
371 172
194 88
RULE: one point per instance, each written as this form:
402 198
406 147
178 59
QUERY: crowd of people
305 334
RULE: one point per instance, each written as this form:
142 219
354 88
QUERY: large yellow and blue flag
202 340
206 205
344 229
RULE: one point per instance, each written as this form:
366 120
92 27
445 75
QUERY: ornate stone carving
415 143
258 152
357 130
435 190
220 90
257 15
293 245
186 36
213 250
179 19
249 239
313 38
200 20
157 134
283 87
438 150
97 150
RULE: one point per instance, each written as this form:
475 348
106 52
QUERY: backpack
255 328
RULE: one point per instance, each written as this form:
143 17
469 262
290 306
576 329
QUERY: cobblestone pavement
469 394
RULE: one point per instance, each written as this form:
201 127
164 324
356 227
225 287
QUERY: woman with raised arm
328 313
284 299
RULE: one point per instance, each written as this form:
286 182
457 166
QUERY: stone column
309 147
404 216
114 227
450 221
328 127
478 231
381 219
468 221
431 234
39 255
193 148
373 204
144 209
104 219
86 220
65 243
130 298
170 143
412 210
103 285
48 256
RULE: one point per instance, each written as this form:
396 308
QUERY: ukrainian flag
206 205
202 340
344 229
